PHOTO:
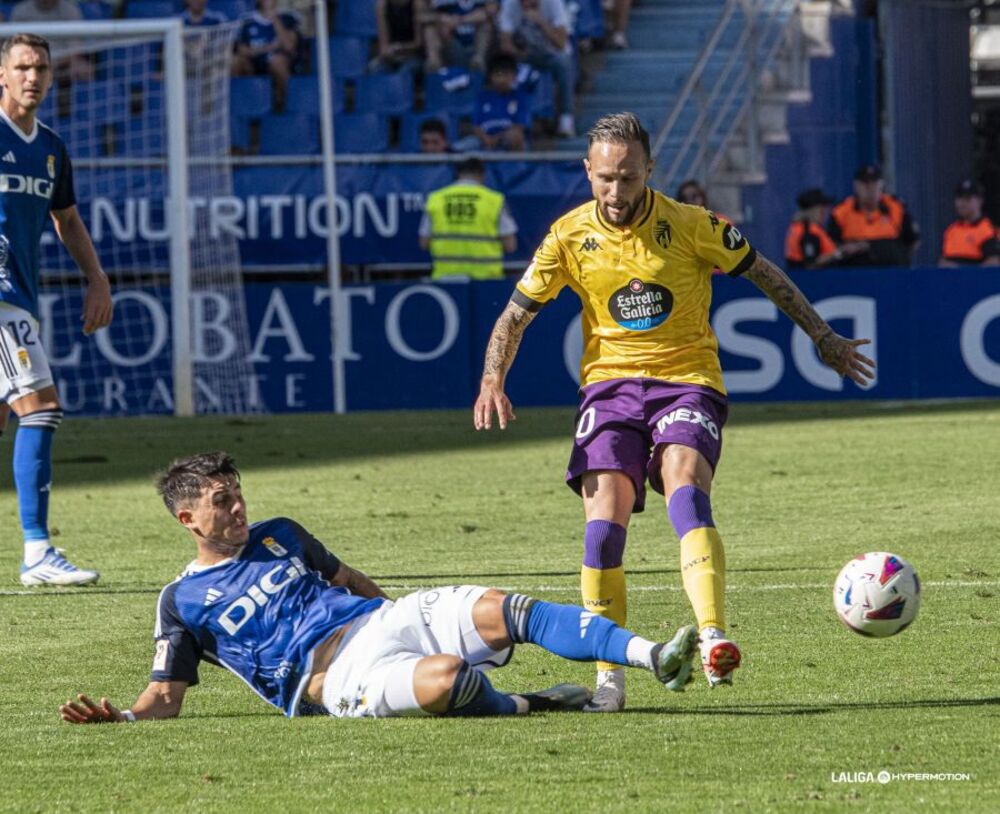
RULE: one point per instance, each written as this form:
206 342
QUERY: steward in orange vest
972 240
880 220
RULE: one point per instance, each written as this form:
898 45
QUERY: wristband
129 716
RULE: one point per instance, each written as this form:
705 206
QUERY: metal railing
725 102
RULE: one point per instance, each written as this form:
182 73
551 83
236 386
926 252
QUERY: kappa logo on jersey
275 547
590 245
9 157
641 306
690 416
241 610
27 185
662 234
733 237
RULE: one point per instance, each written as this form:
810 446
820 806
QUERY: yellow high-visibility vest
464 231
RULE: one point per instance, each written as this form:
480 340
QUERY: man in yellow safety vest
467 228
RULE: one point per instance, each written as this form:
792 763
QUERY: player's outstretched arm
98 308
837 351
357 583
500 353
161 699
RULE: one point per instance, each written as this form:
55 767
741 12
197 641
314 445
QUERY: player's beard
628 212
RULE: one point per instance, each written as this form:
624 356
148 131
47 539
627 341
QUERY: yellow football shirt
645 289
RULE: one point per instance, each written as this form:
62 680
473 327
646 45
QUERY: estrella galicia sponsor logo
733 237
641 306
590 245
661 233
683 414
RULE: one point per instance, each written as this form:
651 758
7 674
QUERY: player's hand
85 711
98 308
842 355
491 397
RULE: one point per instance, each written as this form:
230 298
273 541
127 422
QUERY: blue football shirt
36 177
259 615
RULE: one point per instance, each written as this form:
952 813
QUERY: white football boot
609 692
55 569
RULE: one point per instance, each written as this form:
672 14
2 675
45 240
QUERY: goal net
143 107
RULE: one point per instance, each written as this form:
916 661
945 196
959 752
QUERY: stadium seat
389 93
303 95
289 134
95 10
356 18
141 137
361 133
150 9
105 100
589 18
348 56
542 99
250 96
409 129
231 9
441 93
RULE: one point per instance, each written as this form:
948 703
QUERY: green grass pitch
419 499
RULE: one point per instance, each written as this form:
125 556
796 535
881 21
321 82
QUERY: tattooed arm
839 353
500 352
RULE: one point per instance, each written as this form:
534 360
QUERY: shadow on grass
822 708
108 450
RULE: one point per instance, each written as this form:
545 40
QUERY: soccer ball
877 594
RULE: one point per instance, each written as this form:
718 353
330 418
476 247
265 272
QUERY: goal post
148 135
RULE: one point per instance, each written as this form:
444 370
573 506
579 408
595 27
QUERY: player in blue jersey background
308 633
36 183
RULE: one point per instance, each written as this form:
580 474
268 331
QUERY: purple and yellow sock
602 577
703 560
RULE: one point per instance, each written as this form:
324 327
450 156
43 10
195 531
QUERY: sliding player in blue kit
36 183
310 634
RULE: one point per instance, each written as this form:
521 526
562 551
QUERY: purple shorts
623 425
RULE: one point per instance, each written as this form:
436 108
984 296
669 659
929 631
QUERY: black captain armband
744 264
526 302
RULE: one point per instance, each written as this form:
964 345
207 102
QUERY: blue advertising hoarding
936 334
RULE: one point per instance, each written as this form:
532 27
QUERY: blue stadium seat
6 9
361 133
150 9
141 137
231 9
356 18
289 134
130 61
440 95
389 93
105 100
348 56
409 129
239 132
96 10
589 18
543 97
250 96
303 95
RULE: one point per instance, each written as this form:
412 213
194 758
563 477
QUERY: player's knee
45 419
434 679
488 617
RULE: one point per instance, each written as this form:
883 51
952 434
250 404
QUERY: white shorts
392 638
24 365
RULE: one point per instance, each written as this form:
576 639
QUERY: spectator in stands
502 116
197 14
434 137
467 228
400 41
807 245
75 68
459 33
880 220
268 44
537 32
691 192
972 240
619 10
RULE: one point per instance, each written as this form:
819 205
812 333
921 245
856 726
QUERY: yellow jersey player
652 399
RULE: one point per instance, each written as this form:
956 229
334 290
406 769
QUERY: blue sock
33 470
472 694
565 630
